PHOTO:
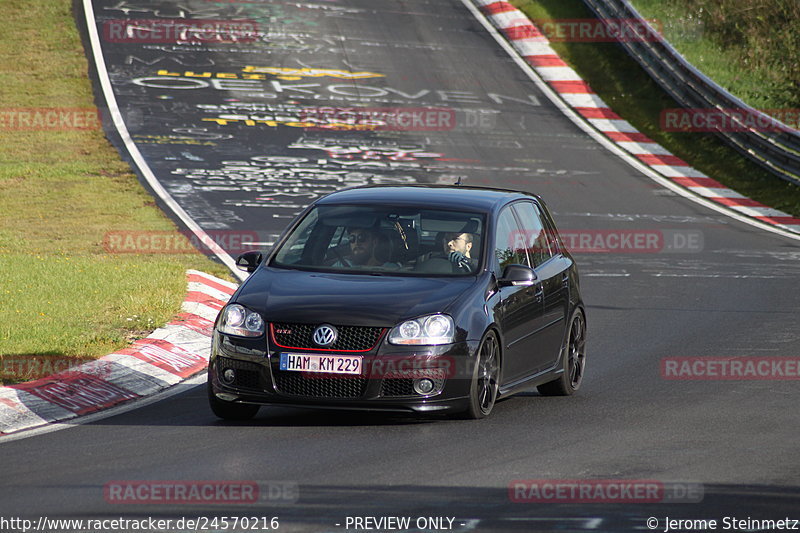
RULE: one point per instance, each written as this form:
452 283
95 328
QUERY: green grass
750 47
96 305
623 85
61 293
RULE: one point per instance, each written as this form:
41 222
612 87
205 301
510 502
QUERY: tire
230 410
573 360
485 378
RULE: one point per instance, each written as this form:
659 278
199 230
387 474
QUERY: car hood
314 297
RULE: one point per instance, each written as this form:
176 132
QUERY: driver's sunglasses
358 237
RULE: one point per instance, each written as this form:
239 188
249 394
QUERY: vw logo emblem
325 335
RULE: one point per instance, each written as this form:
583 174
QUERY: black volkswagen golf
403 298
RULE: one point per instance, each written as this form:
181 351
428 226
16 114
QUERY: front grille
319 385
350 338
248 375
397 387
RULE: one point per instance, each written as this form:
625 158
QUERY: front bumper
385 383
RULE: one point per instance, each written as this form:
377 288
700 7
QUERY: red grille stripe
275 341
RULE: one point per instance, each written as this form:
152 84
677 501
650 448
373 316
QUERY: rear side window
537 240
509 247
550 230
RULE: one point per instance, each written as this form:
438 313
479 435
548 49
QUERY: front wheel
229 410
485 378
573 360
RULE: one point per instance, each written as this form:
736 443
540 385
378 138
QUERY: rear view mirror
249 261
517 276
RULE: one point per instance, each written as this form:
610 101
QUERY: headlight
237 320
426 330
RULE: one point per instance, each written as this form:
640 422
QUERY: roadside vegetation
628 89
62 295
750 47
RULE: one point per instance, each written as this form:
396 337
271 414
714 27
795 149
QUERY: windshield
368 239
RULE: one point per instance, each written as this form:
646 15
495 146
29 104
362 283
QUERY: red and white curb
535 49
166 357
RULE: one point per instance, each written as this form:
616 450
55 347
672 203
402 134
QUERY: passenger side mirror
517 276
249 261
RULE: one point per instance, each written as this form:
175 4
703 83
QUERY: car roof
450 196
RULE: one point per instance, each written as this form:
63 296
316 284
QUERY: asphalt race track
219 124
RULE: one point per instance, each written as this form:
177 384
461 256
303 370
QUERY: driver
363 243
362 247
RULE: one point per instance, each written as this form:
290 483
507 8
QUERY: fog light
228 376
423 386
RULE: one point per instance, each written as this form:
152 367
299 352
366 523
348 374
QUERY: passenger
458 246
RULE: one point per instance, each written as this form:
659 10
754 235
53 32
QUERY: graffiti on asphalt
284 73
169 139
340 150
284 184
257 85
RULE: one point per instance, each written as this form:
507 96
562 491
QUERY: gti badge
325 335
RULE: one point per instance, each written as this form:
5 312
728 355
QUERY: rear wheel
573 360
485 378
229 410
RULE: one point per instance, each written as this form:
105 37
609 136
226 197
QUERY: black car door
521 310
552 269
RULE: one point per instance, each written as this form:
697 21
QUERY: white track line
122 129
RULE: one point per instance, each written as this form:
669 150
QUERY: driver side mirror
517 276
249 261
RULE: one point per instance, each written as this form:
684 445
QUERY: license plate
329 364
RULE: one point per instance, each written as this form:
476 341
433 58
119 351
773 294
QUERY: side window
509 242
550 230
537 241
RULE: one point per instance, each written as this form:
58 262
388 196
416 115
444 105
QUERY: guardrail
778 151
